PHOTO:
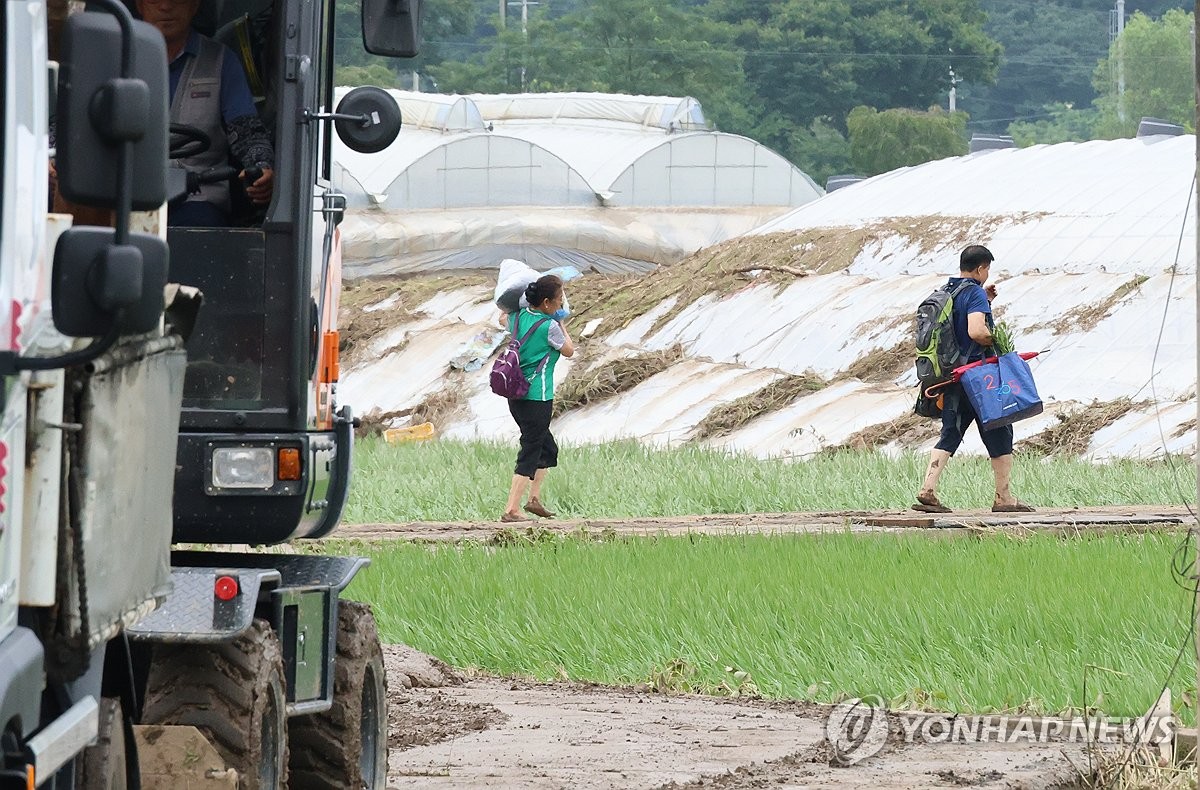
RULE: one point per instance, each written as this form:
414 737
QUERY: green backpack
937 350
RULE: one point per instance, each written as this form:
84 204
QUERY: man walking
973 325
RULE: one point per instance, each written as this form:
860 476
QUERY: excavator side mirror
392 27
367 119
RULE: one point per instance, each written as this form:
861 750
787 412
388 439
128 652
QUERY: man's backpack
508 380
938 353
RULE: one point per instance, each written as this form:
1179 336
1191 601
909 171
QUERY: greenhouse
614 183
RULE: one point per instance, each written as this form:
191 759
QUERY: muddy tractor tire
346 747
233 693
102 765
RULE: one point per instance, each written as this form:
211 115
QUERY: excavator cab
264 445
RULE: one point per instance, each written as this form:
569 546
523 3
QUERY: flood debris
611 378
728 417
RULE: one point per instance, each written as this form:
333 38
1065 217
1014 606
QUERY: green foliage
453 481
443 20
784 73
883 141
373 74
823 149
981 624
1064 124
1159 75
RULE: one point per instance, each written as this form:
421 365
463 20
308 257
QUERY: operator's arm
248 138
977 328
560 340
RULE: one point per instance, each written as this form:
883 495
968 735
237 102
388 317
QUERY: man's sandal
1016 507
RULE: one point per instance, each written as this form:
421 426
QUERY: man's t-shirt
973 299
236 99
246 136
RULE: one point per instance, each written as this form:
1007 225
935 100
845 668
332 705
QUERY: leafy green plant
468 481
987 624
1002 341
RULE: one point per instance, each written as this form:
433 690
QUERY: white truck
135 419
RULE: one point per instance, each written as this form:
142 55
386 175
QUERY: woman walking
539 352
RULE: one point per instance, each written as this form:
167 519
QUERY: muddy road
1121 518
448 731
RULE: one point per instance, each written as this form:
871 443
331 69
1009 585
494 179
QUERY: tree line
836 86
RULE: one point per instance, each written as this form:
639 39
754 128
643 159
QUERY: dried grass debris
1085 317
728 417
376 421
441 406
907 430
778 259
359 326
1186 428
882 365
611 378
1072 434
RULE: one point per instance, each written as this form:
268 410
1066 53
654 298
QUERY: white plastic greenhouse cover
1106 205
1085 236
663 112
524 159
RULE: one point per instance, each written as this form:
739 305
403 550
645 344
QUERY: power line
1048 61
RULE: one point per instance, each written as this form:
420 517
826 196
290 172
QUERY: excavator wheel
233 693
346 747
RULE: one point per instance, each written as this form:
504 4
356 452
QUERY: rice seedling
458 481
996 624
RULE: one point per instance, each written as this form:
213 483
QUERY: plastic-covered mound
1095 248
829 336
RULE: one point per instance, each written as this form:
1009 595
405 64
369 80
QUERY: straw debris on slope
358 327
1084 317
779 258
612 378
1073 433
883 365
728 417
907 430
440 406
376 421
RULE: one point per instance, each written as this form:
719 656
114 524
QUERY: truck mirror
98 111
367 119
98 284
392 27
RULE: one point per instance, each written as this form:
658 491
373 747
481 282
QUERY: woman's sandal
536 507
930 504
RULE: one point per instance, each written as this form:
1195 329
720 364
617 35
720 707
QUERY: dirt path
515 734
1059 519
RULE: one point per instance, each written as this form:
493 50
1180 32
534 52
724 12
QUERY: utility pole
1115 29
953 90
524 26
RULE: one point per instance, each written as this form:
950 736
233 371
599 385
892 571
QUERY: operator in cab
209 91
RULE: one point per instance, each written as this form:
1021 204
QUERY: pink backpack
508 380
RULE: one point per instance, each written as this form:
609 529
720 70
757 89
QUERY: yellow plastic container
412 433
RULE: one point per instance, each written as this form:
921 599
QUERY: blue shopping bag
1002 392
